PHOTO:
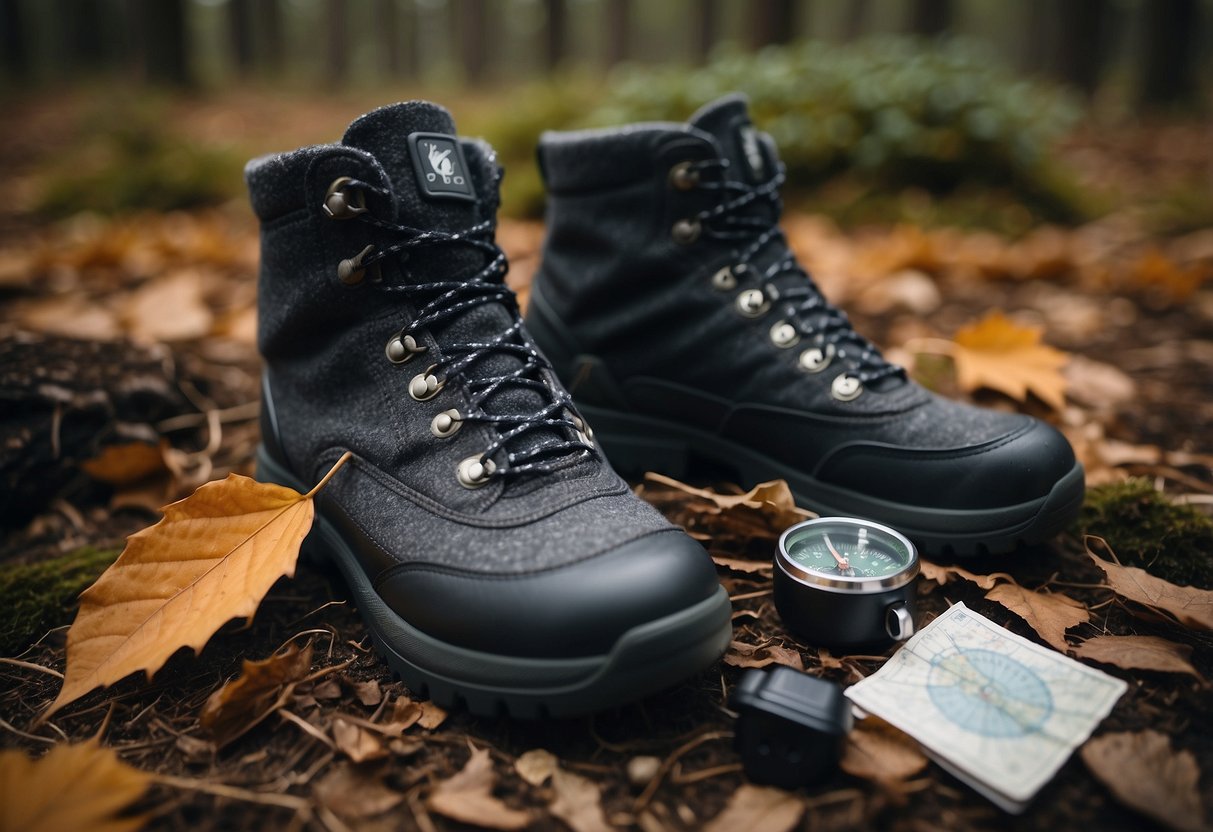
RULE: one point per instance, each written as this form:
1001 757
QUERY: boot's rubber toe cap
576 610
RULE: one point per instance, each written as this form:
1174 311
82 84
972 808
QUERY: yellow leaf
126 464
468 797
212 558
999 354
1049 614
1145 774
82 786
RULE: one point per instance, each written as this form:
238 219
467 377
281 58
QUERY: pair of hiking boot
498 559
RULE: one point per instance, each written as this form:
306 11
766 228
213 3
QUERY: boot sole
635 444
644 660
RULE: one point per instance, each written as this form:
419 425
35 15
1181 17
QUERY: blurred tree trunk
13 40
709 28
472 33
855 22
164 45
930 17
1170 55
240 30
557 33
772 21
268 23
387 22
619 30
338 64
1080 47
1038 36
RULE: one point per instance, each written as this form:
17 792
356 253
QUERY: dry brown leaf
355 794
1049 614
741 654
879 752
467 797
356 742
1144 773
81 786
368 693
578 802
212 558
1139 653
762 513
999 354
169 309
943 574
406 712
1193 607
743 566
758 809
431 716
262 688
536 766
126 464
72 317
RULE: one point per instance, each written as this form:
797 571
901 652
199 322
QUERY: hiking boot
670 304
495 556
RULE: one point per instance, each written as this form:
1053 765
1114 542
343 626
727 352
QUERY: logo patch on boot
442 171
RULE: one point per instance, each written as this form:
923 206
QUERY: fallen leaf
327 689
467 797
1193 607
406 712
743 566
169 309
578 802
1139 653
81 786
878 752
355 794
262 687
741 654
126 464
1049 614
999 354
431 716
943 574
1144 773
356 742
762 513
758 809
368 693
72 317
212 558
536 766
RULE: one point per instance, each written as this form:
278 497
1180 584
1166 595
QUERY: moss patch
37 597
1146 529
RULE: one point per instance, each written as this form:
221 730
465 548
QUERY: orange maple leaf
1005 356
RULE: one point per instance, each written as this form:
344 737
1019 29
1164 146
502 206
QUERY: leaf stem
325 480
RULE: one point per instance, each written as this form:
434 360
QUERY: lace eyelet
816 359
685 232
351 271
401 349
474 472
846 387
342 202
784 335
752 303
724 280
425 386
585 433
683 176
447 423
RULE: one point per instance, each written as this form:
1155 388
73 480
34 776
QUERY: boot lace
569 437
758 232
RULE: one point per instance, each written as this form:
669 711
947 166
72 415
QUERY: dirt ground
1133 311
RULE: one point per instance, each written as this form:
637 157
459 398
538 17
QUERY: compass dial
849 550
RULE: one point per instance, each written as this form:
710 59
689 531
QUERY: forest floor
343 744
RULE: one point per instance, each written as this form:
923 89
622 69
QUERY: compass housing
846 582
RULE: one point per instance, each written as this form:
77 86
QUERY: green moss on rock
37 597
1147 529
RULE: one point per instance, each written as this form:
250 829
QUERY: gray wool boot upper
670 304
496 557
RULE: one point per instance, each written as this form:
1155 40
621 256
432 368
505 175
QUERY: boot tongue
728 121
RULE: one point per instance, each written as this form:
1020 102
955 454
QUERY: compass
846 582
